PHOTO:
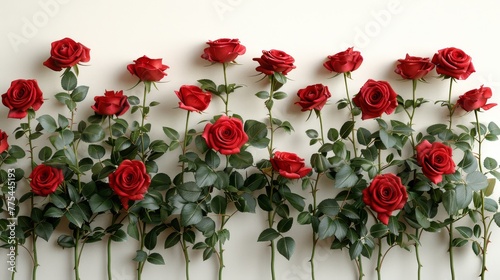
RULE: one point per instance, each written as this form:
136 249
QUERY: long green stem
142 235
76 255
379 259
186 257
221 249
110 275
226 101
450 106
351 107
417 248
486 228
360 268
34 236
273 248
143 118
450 248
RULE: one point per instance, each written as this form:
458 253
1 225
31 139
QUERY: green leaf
79 93
68 81
312 133
189 191
355 249
469 162
496 218
493 128
268 234
100 204
140 256
206 226
326 228
388 140
379 230
346 129
279 95
490 163
286 247
284 225
191 214
295 200
476 181
63 97
345 177
422 218
93 133
155 258
53 212
490 205
364 136
205 176
17 152
96 151
48 123
66 241
436 128
218 204
262 94
118 236
466 232
241 160
329 207
172 239
45 153
171 133
44 230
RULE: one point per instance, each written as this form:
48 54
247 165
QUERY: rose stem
34 235
350 111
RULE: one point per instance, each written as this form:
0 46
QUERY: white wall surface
119 31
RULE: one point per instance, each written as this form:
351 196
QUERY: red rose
313 97
289 165
436 159
4 145
414 67
45 179
193 98
342 62
275 61
454 63
385 194
66 53
226 135
375 98
223 50
476 99
21 96
130 181
112 103
148 69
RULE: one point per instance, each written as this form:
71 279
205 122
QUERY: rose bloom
223 50
342 62
21 96
226 135
476 99
66 53
275 61
45 179
385 194
375 98
130 181
193 98
414 67
454 63
289 165
313 97
112 103
4 145
435 159
148 69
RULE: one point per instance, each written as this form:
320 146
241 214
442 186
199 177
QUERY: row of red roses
130 180
226 135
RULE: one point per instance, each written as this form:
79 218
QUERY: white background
118 32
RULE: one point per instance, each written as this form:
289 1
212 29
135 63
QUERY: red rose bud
476 99
342 62
4 145
45 179
289 165
436 159
376 98
148 69
385 194
414 67
66 53
313 97
275 61
21 96
454 63
223 50
193 98
226 135
112 103
130 181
